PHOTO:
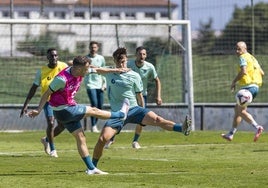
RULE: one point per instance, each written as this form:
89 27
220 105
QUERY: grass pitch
166 159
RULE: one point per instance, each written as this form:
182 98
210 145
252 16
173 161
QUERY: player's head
80 66
120 57
93 47
241 48
52 56
141 54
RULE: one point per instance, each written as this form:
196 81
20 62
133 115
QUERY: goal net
168 42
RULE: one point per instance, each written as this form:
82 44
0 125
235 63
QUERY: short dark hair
50 50
140 48
81 61
93 42
117 55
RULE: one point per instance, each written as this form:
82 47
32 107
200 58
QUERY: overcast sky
220 10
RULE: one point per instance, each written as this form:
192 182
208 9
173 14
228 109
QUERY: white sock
254 124
233 131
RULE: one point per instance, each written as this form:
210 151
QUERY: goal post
140 24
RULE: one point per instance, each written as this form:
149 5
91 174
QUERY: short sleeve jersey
94 80
64 87
121 86
147 72
253 75
45 75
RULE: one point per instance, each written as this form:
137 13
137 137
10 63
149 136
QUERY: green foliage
167 160
204 44
155 47
239 28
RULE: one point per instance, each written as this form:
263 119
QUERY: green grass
167 159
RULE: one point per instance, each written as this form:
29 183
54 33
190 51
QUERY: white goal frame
187 47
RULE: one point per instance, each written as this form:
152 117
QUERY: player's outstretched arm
30 95
105 70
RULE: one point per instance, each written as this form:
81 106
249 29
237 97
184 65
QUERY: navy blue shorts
71 116
135 115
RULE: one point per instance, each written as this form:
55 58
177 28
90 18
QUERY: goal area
168 43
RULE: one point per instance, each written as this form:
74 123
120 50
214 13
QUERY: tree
240 28
204 44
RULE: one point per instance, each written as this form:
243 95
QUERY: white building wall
69 35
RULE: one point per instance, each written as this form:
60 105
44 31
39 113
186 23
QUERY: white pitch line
113 147
142 173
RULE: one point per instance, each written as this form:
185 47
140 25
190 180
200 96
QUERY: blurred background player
249 77
95 83
147 73
43 78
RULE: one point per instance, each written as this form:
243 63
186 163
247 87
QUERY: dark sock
95 162
88 162
136 137
52 146
177 128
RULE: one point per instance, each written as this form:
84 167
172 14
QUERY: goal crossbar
95 22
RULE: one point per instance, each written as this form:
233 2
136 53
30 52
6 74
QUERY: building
75 38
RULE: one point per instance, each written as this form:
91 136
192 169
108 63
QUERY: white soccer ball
243 97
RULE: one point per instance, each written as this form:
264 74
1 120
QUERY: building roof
136 3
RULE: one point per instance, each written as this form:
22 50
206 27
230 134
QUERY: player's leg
153 119
236 122
84 153
109 142
99 104
106 134
58 129
138 130
112 139
102 114
48 141
92 95
135 143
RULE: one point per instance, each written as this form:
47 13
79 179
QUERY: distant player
95 83
249 77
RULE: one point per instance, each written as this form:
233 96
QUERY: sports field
167 159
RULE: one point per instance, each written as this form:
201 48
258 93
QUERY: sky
219 10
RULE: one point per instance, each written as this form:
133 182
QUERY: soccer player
128 85
95 83
62 91
147 72
43 78
249 77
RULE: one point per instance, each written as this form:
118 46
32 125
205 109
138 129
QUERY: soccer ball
243 97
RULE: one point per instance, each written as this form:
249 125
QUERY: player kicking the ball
249 78
128 85
62 91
